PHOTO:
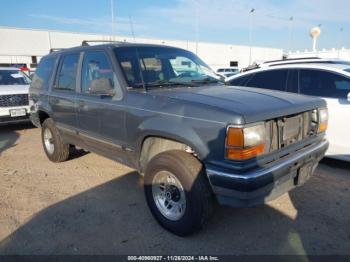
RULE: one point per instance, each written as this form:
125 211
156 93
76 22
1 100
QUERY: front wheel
177 192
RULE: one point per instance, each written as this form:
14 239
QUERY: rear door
63 96
334 88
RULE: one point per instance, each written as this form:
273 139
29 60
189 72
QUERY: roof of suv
113 44
337 67
305 61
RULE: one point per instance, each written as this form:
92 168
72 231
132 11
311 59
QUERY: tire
198 197
55 149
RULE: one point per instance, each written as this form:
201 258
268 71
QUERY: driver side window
96 70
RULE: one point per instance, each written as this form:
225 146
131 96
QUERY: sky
274 23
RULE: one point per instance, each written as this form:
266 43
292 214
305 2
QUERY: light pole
341 37
291 19
196 25
112 16
250 33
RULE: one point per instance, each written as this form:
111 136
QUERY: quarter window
43 73
96 71
68 73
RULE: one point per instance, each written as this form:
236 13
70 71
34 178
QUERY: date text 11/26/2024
173 258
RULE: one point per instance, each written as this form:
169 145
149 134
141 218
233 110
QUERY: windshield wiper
206 80
169 83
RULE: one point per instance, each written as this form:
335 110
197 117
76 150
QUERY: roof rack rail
250 67
86 42
291 59
55 49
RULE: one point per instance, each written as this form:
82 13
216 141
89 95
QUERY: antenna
112 16
132 28
138 55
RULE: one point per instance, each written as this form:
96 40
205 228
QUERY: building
26 47
342 53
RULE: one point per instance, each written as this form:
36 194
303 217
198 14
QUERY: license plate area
304 173
18 112
290 130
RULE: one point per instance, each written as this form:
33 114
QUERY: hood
13 89
252 104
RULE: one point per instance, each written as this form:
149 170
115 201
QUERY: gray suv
164 112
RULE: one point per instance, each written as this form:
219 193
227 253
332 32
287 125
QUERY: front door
100 114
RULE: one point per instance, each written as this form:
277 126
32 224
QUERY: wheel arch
43 115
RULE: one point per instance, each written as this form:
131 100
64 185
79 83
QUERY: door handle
81 103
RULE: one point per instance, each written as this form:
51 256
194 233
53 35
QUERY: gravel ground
91 205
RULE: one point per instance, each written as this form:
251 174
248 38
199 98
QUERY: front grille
288 130
13 100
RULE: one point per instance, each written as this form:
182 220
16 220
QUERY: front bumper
266 183
6 118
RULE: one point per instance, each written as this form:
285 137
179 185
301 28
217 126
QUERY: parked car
14 85
192 137
326 78
227 72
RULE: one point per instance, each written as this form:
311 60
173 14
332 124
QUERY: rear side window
273 79
43 73
323 83
67 76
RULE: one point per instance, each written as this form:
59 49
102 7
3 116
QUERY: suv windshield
155 67
13 77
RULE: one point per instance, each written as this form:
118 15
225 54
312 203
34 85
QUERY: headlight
246 142
322 120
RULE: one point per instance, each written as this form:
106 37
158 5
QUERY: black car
164 112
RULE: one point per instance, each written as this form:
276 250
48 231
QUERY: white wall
18 45
324 53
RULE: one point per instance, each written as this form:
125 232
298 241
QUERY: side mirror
102 86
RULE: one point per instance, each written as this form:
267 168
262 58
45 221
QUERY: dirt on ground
92 205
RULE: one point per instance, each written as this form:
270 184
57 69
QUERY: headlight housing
322 120
246 142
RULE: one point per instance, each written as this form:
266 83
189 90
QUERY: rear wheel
177 192
55 149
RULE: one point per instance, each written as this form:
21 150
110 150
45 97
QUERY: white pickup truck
14 105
